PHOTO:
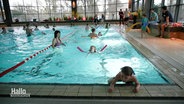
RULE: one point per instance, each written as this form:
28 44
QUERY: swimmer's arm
113 82
88 54
97 35
53 43
89 35
63 44
137 85
167 20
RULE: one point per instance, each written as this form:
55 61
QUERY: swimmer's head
56 34
93 29
99 34
128 71
92 49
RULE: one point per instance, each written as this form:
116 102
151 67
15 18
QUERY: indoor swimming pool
71 64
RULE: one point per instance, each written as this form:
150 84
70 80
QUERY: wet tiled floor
95 90
170 63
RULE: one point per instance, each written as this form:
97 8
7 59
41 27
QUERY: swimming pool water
68 65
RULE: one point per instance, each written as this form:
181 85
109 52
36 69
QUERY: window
30 3
135 6
41 3
99 8
181 14
158 3
90 9
16 2
122 6
181 1
111 9
27 10
99 2
172 10
81 3
81 8
2 14
140 4
111 2
170 2
122 1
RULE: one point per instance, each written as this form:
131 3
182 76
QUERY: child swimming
99 34
56 42
87 27
93 35
126 75
92 49
144 25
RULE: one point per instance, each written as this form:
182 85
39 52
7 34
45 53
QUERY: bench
154 29
169 32
174 32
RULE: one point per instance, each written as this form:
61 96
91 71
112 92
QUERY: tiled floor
166 54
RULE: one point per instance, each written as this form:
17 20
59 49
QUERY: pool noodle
128 29
80 49
103 48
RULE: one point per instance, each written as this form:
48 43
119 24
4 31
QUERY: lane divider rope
29 58
24 61
68 35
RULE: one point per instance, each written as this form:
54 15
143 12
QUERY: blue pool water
68 65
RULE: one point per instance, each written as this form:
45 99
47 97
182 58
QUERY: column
74 8
7 12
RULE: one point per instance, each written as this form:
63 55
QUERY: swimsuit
57 44
144 24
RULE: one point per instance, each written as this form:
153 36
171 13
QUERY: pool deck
166 54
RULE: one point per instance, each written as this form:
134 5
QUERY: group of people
126 74
97 19
123 17
5 30
166 20
93 35
29 31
